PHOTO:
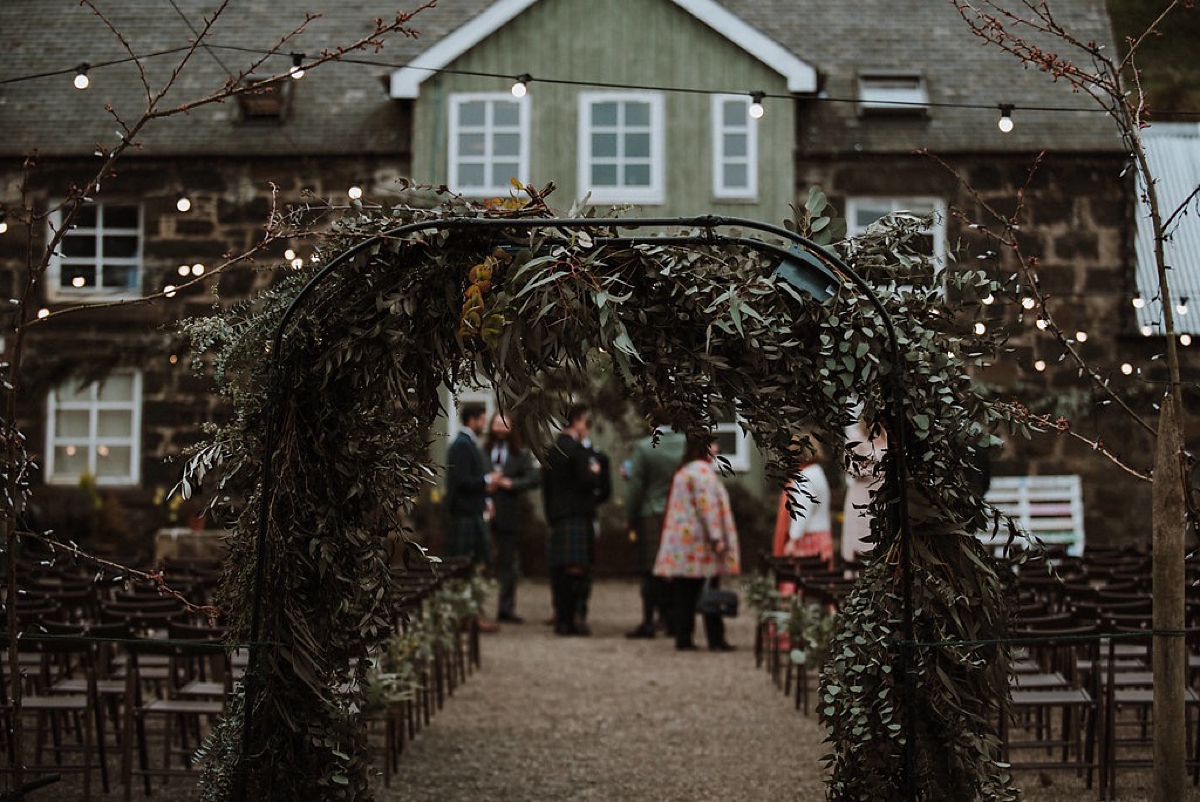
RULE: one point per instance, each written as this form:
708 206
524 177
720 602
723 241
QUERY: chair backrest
1061 648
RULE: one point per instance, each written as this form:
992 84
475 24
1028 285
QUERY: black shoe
685 647
510 618
582 629
564 629
641 632
721 647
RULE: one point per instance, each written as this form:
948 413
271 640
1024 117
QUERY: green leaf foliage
706 331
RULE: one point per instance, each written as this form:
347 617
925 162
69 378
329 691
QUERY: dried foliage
354 384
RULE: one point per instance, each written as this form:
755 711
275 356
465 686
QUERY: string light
355 192
1005 123
520 87
1185 339
43 313
1040 365
756 105
1138 301
169 290
183 270
297 263
981 328
1028 302
3 221
81 77
173 359
1146 331
1081 336
1041 324
1182 308
989 300
78 281
297 70
1127 368
184 204
197 269
289 254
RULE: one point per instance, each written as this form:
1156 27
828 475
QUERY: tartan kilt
572 541
467 536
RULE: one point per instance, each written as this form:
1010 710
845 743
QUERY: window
862 212
892 93
95 429
621 147
101 256
734 445
735 148
486 397
489 143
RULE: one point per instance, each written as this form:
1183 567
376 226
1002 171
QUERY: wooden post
1169 651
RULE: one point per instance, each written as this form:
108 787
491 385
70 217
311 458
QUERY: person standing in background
468 484
699 542
570 487
652 466
861 483
510 508
802 524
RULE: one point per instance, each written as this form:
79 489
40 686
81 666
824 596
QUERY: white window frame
59 262
92 442
720 159
652 194
917 204
489 130
893 93
739 460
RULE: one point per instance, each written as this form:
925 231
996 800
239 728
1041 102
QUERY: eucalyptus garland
705 330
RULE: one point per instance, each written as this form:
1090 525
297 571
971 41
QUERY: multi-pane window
862 212
892 93
489 143
734 445
101 255
95 429
735 148
621 147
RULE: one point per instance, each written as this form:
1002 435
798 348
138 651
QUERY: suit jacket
650 476
570 489
511 507
466 478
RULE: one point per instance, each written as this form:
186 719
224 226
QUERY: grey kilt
467 536
572 541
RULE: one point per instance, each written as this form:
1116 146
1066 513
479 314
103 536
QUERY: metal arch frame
829 265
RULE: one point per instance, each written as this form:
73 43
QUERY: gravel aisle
604 717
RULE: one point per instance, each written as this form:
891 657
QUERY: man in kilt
571 481
468 484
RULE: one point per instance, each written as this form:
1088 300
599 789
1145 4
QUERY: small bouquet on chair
715 601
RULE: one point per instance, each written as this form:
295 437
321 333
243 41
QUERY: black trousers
685 591
655 598
569 587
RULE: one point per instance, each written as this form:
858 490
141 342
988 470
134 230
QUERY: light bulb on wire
1039 365
1028 302
184 204
81 76
1127 368
1081 336
355 192
1185 339
1005 123
756 105
297 68
1138 301
520 87
1182 308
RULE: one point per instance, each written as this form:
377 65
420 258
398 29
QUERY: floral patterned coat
697 517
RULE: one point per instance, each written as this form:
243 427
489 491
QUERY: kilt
467 536
572 541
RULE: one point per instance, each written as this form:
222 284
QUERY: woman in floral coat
699 541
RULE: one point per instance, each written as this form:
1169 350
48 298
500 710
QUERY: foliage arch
352 384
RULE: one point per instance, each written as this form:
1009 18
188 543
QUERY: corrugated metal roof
1173 153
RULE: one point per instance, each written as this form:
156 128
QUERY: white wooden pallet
1048 507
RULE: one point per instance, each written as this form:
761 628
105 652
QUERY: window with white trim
892 93
489 143
862 212
100 258
95 429
734 444
484 397
621 154
735 148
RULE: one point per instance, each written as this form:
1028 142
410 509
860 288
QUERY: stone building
629 101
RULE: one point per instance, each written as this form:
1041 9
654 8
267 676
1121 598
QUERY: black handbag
715 601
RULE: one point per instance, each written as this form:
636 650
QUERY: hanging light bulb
197 269
297 263
1028 302
81 76
1138 301
989 300
1146 331
1182 308
1039 365
355 192
169 290
3 221
520 87
297 68
43 313
78 281
1005 123
1081 336
981 328
289 254
756 105
184 204
1185 339
1127 368
1041 324
183 270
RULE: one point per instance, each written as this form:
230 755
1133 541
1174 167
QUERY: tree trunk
1169 656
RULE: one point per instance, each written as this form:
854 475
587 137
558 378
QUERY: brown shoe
487 626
